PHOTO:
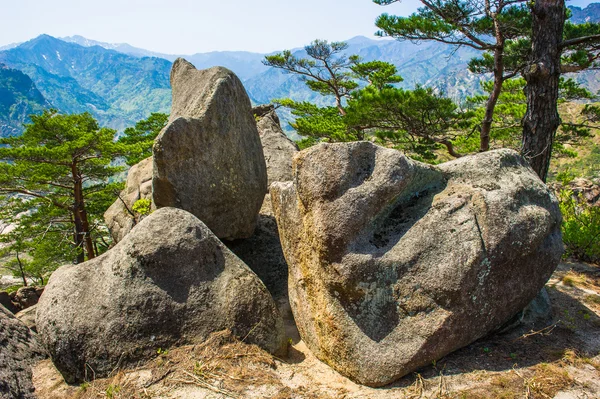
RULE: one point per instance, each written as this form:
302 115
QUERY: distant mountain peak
591 13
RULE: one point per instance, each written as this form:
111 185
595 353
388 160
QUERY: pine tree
366 103
140 138
57 172
494 27
556 47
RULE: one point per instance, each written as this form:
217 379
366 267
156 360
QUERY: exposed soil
561 360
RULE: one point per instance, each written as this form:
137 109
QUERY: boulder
208 160
19 351
120 217
26 297
263 254
169 281
27 317
5 300
277 147
584 191
394 264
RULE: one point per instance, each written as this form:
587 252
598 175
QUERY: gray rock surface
5 300
18 352
26 297
208 160
169 281
263 254
394 263
27 317
120 217
277 147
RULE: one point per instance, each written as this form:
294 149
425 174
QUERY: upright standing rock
18 352
394 263
279 150
120 217
208 160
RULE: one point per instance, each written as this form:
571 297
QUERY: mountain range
121 84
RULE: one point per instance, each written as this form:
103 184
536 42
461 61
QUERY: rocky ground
561 360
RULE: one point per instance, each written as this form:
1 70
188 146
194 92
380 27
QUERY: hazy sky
191 26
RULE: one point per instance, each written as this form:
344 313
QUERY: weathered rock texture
120 217
278 149
394 263
169 281
26 297
27 317
208 160
263 254
6 301
18 352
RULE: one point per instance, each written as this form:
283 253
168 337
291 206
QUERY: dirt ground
561 360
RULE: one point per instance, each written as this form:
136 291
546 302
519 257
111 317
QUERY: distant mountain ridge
116 88
121 84
19 98
591 13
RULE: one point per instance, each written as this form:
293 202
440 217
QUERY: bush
580 227
142 207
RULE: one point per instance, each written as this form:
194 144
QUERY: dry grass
573 279
222 364
544 380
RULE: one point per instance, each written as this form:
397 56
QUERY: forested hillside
19 97
121 84
116 88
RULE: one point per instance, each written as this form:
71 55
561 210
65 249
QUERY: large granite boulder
279 150
19 351
169 281
208 160
120 216
394 263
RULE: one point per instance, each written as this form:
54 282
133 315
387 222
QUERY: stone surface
18 353
208 160
27 317
394 263
583 190
277 147
263 254
120 217
26 297
169 281
5 300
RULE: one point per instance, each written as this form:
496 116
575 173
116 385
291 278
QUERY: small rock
5 300
26 297
277 147
27 317
120 217
19 351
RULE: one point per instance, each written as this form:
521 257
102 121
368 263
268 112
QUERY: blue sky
191 26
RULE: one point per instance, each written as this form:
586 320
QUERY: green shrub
580 227
142 206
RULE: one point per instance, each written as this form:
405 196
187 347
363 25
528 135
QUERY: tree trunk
338 104
82 227
78 235
21 270
542 76
486 125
